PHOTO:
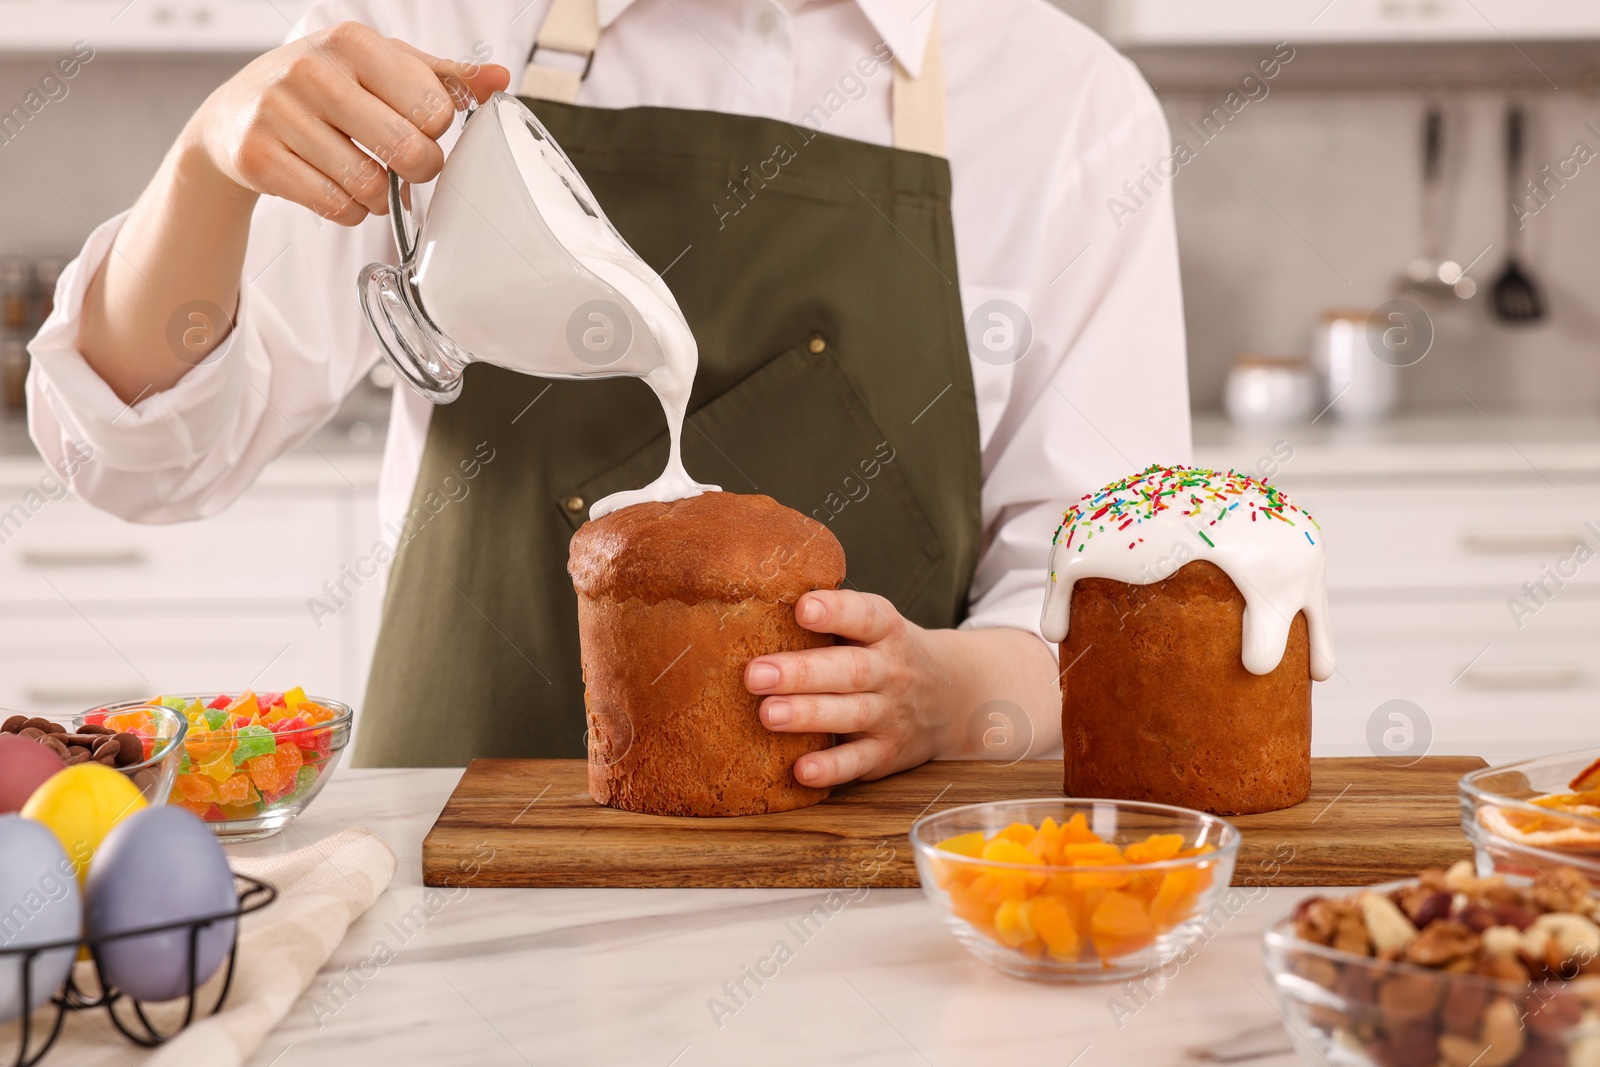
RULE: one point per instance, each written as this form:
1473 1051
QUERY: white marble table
624 976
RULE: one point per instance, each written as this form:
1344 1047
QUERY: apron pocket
797 431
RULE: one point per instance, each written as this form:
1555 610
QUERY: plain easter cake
674 600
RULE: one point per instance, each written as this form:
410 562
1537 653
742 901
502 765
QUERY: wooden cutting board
531 823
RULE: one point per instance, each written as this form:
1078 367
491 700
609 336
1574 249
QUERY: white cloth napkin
322 889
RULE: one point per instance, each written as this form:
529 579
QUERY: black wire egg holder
137 1027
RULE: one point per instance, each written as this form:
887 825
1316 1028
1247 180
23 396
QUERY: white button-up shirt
1046 124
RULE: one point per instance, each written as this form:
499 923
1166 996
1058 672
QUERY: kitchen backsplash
1303 201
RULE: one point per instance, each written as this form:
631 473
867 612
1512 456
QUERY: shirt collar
904 25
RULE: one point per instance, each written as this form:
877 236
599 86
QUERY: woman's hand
896 694
318 120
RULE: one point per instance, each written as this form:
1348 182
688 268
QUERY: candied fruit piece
220 767
234 790
222 701
245 706
231 812
195 788
293 698
254 741
265 773
316 742
304 779
314 711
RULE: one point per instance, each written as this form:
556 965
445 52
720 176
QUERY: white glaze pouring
1271 550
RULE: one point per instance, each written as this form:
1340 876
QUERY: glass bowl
1497 802
1097 923
244 802
1360 1011
154 774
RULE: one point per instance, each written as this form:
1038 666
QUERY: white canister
1269 390
1358 386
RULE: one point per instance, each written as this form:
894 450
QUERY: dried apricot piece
1003 850
1076 830
1053 923
1012 924
964 844
1154 849
1119 917
1175 897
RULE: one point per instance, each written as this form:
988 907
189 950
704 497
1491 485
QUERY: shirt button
766 22
817 345
573 504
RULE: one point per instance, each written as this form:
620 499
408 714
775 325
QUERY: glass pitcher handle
405 227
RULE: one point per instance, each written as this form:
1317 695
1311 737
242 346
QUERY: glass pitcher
515 264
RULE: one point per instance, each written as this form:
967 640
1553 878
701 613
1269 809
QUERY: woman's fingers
835 669
386 133
345 166
863 617
479 79
334 100
846 713
275 167
843 763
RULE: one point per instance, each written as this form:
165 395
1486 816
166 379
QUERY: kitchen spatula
1516 295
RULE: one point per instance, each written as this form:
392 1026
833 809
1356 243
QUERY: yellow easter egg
80 805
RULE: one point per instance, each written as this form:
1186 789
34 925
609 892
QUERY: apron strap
919 102
572 27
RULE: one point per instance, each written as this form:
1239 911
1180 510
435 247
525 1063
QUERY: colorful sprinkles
1202 495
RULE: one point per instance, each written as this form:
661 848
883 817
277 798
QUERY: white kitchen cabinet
245 26
266 543
1434 535
1422 573
1484 686
94 609
1264 22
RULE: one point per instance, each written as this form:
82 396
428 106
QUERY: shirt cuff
168 430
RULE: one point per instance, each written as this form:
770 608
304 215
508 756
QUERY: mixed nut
88 744
1515 982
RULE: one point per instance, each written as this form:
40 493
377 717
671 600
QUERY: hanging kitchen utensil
1431 274
1516 295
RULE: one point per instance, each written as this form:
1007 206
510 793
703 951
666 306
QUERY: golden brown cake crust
672 728
725 547
1156 703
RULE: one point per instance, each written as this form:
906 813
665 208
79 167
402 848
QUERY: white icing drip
668 364
1276 566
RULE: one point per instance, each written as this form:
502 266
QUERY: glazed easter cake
1191 613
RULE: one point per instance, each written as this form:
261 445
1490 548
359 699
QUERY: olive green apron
819 277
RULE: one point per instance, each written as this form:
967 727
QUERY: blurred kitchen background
1474 478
